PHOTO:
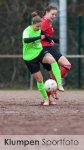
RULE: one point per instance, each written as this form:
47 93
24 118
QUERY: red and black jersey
48 29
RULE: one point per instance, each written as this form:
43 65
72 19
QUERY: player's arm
56 40
29 40
50 39
46 37
44 29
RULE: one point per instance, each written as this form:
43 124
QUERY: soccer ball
50 85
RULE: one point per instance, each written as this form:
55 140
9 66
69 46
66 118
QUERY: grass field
21 113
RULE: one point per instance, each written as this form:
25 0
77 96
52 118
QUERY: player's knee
67 66
38 79
51 60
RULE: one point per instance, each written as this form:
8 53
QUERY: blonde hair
35 18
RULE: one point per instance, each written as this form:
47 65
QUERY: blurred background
69 27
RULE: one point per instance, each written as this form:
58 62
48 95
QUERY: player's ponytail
35 17
34 14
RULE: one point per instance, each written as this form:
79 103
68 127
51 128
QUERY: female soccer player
46 26
33 55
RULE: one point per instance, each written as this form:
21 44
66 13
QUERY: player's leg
34 68
49 59
62 61
48 68
55 69
65 66
38 77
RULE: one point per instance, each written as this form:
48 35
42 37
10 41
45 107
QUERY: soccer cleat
45 103
52 102
52 94
60 88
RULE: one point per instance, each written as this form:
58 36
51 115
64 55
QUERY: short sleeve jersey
33 49
48 29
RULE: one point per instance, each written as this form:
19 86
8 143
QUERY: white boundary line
75 56
20 56
10 56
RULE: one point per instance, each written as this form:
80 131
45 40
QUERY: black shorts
34 65
55 53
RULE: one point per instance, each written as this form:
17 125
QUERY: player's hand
42 37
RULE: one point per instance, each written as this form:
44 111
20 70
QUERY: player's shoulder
44 21
27 29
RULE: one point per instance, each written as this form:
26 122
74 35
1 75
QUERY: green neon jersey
33 49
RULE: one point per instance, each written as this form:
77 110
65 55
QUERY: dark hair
35 18
49 8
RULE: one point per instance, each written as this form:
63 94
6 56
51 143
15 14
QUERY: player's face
37 26
52 14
